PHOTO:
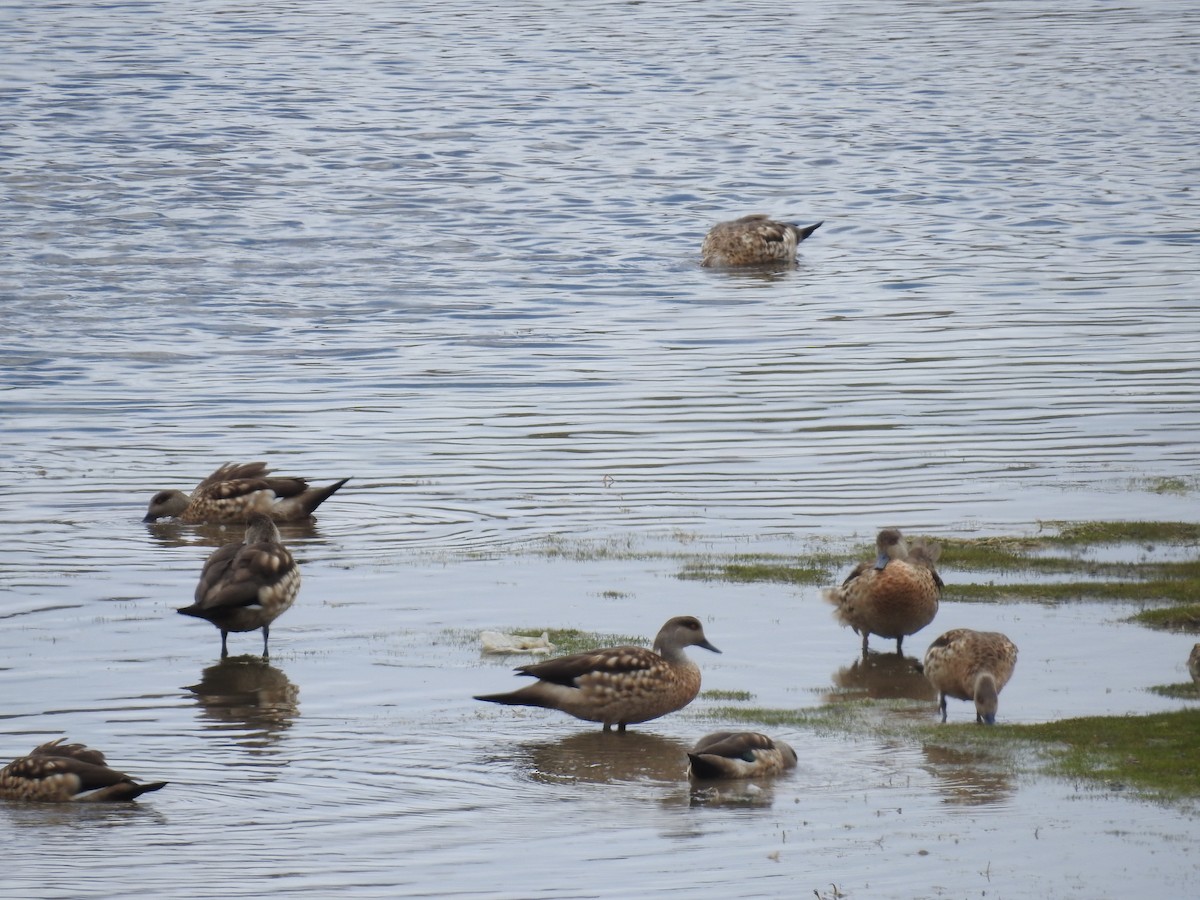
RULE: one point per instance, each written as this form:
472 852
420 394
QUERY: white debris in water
499 642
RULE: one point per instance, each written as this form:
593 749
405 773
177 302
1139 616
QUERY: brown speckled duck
1194 664
236 491
752 241
248 585
894 596
68 773
739 754
971 665
618 685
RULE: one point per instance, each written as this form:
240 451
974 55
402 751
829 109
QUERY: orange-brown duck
895 596
971 665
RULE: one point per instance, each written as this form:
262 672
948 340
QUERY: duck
739 754
1194 664
247 585
617 685
971 665
237 491
753 240
894 596
69 773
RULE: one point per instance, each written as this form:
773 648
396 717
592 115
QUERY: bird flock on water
246 585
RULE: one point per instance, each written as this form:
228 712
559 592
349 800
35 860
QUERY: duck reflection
245 692
604 757
966 778
172 533
755 792
882 676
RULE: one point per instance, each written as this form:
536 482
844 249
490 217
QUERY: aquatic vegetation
1055 558
775 569
1158 753
1185 690
1184 617
732 696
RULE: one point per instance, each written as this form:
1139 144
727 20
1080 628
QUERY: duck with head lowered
236 491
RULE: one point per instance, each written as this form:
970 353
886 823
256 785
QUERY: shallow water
450 251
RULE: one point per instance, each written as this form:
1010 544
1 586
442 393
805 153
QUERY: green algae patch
1158 754
1184 617
742 570
1075 533
1156 591
839 717
728 696
1187 690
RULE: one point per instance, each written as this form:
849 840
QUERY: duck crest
753 240
617 685
896 596
237 491
68 773
971 665
247 585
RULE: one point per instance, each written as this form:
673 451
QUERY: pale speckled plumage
754 240
68 773
739 754
237 491
971 665
618 685
894 596
247 585
1194 664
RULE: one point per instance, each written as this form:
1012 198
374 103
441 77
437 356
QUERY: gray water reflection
882 676
603 758
249 697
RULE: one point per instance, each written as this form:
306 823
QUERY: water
450 251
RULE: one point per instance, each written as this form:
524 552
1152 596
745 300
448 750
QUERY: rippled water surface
451 251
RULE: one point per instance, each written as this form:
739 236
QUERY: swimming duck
897 595
1194 664
971 665
618 685
752 241
247 585
237 491
64 773
739 754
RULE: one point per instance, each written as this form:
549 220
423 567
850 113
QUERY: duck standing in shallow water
1194 664
68 773
971 665
739 754
618 685
752 241
247 586
895 596
236 491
